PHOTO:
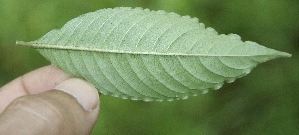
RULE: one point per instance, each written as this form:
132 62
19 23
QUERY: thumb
71 109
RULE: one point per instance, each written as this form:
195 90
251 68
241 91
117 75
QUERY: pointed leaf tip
285 54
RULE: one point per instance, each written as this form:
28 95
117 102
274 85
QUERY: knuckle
38 107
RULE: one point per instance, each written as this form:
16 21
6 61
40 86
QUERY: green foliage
149 55
265 102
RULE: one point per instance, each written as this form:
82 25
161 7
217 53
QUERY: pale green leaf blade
149 55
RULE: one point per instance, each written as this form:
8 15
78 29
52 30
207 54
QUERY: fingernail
85 93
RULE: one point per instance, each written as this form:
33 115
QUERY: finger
36 81
54 111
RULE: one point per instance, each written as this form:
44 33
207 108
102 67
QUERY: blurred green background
264 102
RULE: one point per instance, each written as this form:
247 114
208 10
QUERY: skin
46 101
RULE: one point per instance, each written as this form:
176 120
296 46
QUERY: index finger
40 80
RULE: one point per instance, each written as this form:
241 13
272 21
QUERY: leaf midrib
55 47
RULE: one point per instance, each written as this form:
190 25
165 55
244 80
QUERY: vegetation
265 102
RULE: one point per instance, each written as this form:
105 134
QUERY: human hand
46 101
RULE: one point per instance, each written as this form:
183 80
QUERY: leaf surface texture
148 55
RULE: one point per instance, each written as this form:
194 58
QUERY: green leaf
148 55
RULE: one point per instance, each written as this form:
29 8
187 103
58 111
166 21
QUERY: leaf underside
148 55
